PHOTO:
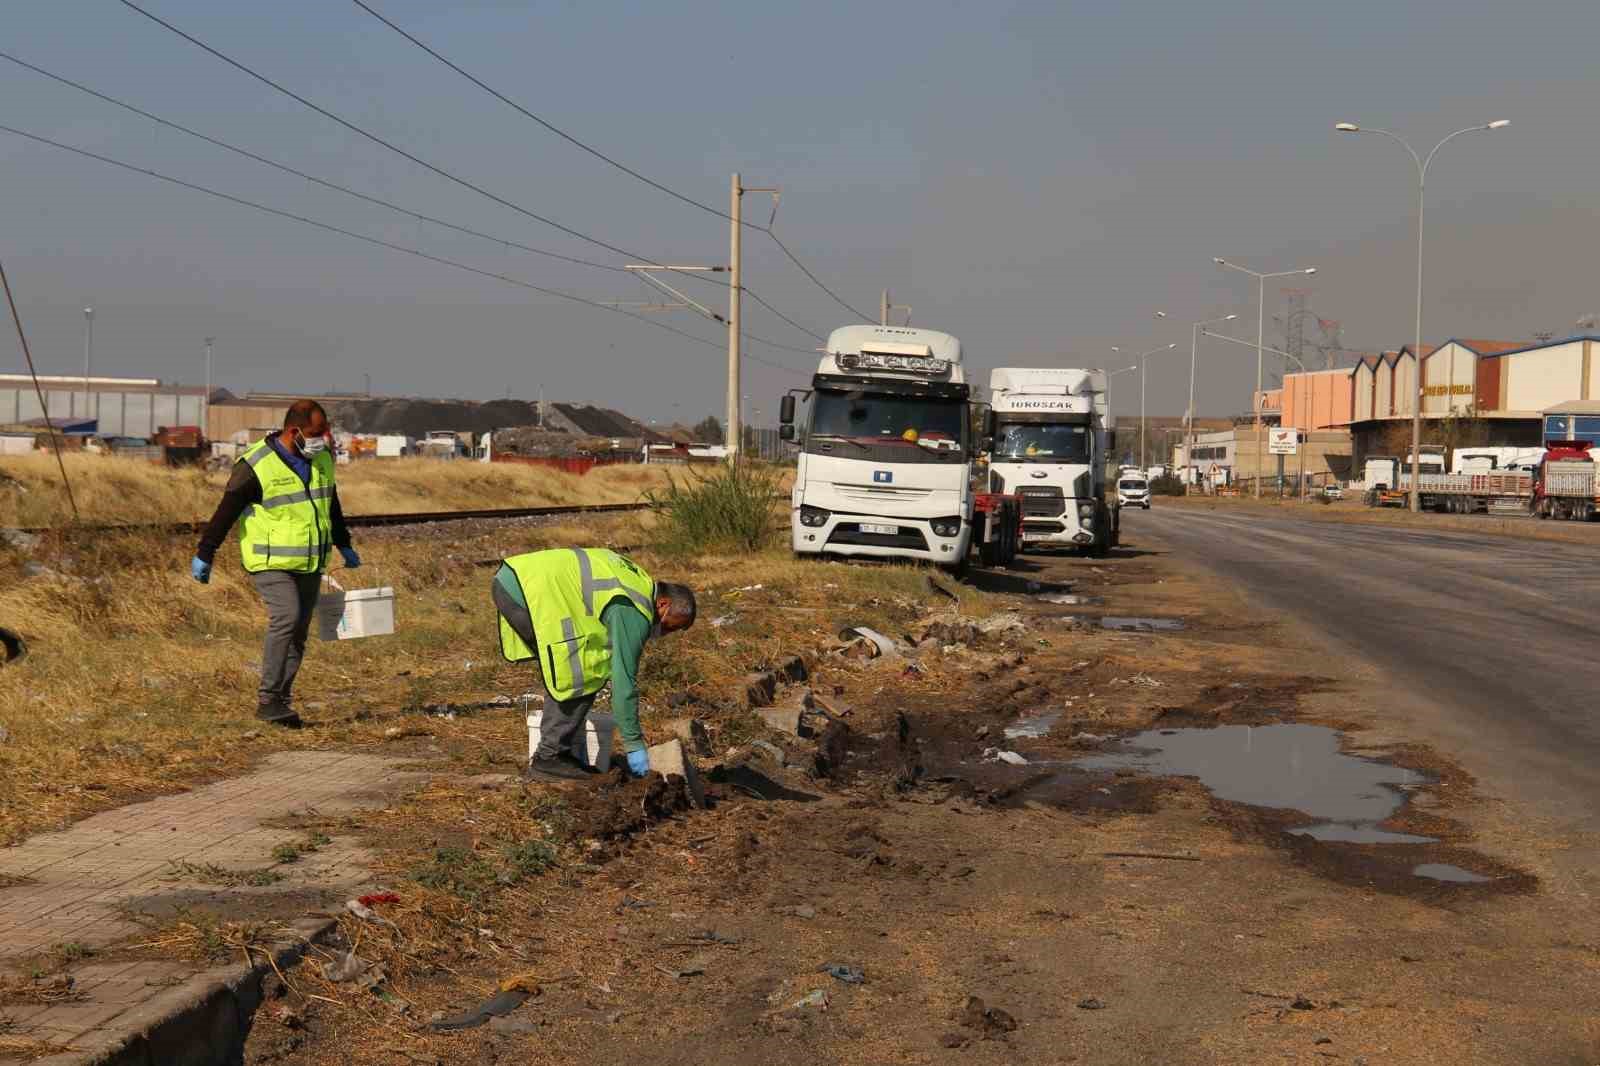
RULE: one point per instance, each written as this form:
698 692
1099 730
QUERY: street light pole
1416 352
1194 345
1140 367
88 354
205 407
1261 321
1113 373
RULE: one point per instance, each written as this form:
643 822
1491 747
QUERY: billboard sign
1283 441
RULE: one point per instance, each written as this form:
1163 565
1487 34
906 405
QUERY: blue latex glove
200 570
351 559
639 762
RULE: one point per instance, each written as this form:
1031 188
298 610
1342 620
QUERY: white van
1133 489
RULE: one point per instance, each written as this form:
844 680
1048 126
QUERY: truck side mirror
786 412
988 424
786 430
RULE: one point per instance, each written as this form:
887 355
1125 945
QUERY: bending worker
282 486
584 614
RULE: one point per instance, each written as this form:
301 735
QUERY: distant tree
708 430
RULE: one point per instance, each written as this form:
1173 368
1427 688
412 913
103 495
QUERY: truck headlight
813 516
946 527
1086 509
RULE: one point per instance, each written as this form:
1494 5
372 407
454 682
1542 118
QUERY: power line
748 291
804 270
331 228
246 153
558 131
447 175
38 391
374 138
570 139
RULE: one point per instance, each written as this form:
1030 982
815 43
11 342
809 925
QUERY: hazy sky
1037 178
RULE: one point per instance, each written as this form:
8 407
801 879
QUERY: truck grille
850 533
1046 502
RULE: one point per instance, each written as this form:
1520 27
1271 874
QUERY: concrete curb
202 1022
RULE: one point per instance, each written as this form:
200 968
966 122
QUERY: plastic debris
346 967
817 997
885 645
850 975
997 755
513 993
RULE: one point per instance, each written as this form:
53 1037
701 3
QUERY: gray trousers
291 600
561 724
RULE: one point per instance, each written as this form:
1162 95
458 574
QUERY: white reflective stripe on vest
322 492
301 552
590 586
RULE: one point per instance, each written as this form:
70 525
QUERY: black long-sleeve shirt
244 491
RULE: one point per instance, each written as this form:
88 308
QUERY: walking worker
584 614
283 497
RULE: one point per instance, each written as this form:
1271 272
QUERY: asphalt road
1489 641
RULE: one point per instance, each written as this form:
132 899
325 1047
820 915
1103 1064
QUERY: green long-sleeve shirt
628 629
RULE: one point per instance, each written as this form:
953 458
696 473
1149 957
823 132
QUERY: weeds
458 872
732 507
530 858
207 873
291 852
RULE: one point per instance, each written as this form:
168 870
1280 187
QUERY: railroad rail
366 520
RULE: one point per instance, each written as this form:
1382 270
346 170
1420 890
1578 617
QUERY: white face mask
311 447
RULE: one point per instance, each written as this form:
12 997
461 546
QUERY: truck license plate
875 527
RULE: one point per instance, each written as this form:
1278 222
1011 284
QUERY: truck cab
885 449
1051 439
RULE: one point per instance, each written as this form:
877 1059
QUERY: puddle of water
1343 833
1443 871
1033 726
1290 766
1140 625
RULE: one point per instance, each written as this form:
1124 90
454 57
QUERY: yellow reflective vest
566 590
292 527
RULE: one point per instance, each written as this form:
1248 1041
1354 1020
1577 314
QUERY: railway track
354 521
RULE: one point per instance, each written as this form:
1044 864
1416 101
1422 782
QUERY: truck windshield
917 423
1042 443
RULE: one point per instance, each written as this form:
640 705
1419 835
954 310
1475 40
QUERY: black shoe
563 767
279 714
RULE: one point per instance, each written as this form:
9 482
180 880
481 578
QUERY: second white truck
1052 436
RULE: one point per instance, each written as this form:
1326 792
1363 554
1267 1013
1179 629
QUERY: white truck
885 450
1051 441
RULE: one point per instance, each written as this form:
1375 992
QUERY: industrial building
116 407
1228 456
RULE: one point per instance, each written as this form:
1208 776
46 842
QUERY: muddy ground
998 912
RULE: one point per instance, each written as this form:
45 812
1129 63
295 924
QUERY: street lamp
1261 321
1113 373
1142 358
1305 372
1194 344
1422 174
88 354
205 409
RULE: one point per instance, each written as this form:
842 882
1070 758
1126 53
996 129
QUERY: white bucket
357 613
597 738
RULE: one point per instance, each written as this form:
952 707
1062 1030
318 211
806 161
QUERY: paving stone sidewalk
79 886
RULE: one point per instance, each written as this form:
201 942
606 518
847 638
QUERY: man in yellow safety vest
584 615
283 497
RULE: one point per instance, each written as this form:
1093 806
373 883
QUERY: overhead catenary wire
583 146
331 228
284 167
38 390
434 168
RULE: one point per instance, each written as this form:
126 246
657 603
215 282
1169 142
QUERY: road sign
1283 441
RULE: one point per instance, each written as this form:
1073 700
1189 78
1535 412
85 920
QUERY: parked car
1333 492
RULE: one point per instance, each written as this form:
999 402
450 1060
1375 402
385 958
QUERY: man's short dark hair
301 413
680 600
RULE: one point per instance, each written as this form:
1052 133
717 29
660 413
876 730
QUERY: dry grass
111 489
140 681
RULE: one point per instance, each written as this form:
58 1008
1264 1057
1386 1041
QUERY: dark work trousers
291 600
561 725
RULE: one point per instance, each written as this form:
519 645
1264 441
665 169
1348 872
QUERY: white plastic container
597 737
343 615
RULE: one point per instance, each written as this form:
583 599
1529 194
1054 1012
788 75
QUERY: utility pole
735 254
88 354
541 406
205 408
883 309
